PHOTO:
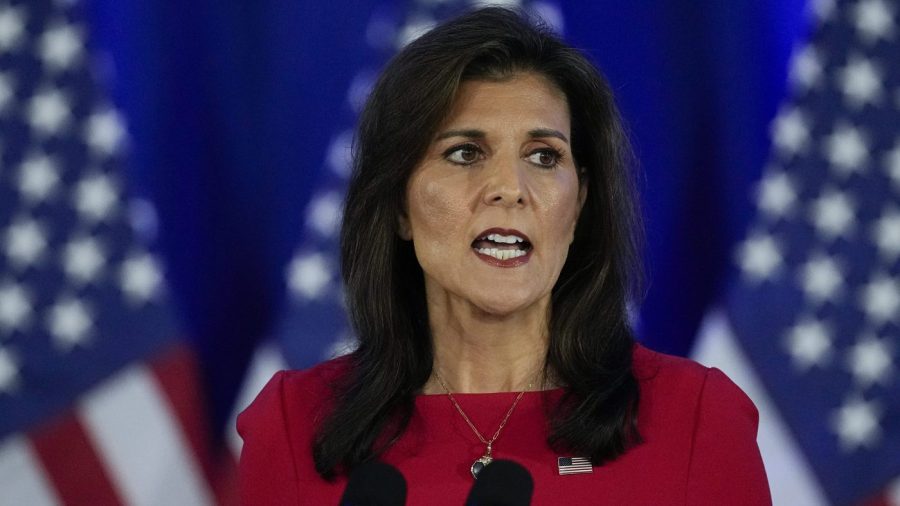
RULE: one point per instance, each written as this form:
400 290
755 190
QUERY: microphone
502 483
375 484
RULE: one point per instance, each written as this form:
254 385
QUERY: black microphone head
375 484
502 483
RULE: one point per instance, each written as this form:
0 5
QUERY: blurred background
171 183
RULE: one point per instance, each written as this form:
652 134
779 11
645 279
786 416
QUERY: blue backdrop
232 107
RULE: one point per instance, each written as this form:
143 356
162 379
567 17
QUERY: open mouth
502 244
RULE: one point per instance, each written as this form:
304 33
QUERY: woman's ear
582 198
582 188
403 228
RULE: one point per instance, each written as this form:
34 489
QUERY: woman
490 253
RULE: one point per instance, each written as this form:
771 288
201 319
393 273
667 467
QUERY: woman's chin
506 307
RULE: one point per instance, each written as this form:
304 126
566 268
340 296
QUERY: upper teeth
507 239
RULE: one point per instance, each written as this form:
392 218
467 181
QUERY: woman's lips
502 247
498 262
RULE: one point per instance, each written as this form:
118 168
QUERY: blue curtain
698 82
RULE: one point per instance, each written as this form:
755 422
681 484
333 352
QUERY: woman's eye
544 157
463 155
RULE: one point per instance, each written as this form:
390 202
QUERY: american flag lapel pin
573 465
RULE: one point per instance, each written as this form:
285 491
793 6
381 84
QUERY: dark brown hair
590 338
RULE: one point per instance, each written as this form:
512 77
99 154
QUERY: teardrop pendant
480 464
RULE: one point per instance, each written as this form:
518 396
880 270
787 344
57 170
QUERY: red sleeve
267 471
725 465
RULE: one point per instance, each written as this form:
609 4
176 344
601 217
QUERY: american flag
815 311
98 396
315 327
573 465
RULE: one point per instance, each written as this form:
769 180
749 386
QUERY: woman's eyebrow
547 132
469 133
472 133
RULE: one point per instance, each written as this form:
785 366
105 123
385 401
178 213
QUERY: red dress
699 448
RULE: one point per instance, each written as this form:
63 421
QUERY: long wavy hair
591 341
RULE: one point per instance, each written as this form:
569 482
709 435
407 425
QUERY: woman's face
492 206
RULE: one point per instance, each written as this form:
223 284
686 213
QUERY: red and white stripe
139 438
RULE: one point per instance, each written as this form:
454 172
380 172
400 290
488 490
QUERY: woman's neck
477 352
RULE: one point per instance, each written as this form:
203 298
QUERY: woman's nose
506 184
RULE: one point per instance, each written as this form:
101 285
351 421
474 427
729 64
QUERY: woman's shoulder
697 412
668 380
649 365
277 429
660 370
315 381
290 392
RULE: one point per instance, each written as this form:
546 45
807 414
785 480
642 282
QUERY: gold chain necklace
487 458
